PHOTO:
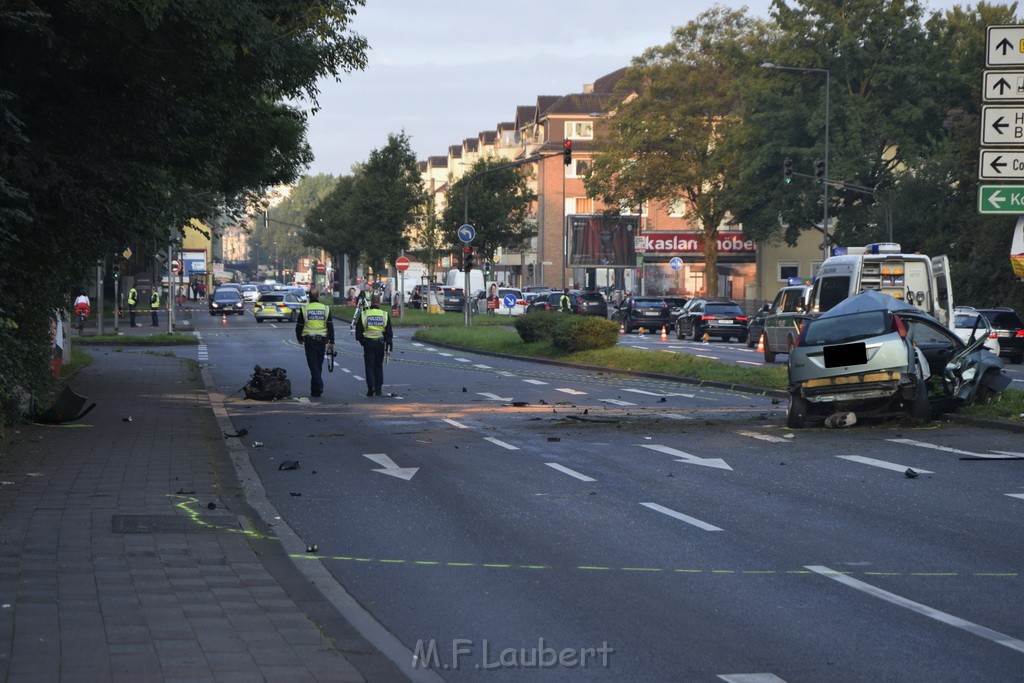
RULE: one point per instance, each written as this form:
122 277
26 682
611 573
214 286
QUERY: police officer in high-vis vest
373 331
154 305
133 300
315 331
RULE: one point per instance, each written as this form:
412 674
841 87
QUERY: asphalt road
506 520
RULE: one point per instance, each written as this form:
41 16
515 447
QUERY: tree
280 229
498 204
329 224
122 119
384 202
678 102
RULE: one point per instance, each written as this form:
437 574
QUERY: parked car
1009 329
782 324
676 304
300 293
592 303
722 318
967 322
419 296
503 293
874 354
648 312
755 326
550 301
453 299
226 300
250 292
277 306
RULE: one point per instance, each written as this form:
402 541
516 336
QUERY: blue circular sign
467 233
509 301
675 263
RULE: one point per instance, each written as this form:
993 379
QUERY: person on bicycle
82 308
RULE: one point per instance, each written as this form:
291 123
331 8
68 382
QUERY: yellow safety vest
133 296
374 322
154 300
315 315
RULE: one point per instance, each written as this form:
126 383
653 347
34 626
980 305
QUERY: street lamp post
825 180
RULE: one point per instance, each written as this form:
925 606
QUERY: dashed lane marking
571 473
615 402
534 381
455 423
751 678
681 517
572 392
499 442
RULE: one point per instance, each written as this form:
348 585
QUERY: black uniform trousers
316 347
373 364
131 314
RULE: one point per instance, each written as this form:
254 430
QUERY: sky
444 71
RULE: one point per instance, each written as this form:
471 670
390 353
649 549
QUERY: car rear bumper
857 387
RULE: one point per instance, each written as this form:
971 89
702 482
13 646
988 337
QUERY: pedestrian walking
133 301
154 305
373 331
315 331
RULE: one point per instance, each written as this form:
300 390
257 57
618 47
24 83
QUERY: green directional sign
1001 199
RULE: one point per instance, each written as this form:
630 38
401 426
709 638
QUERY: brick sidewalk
127 551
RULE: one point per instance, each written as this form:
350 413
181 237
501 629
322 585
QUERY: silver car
873 354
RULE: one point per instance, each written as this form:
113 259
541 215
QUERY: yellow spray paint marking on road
673 570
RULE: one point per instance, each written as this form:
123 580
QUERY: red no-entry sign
402 263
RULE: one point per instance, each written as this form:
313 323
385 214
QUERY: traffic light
468 263
819 171
529 270
117 272
567 152
787 170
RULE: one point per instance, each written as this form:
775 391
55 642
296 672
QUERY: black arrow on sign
999 125
1005 45
997 164
1002 86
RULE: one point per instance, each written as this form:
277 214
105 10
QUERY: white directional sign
1004 46
1001 164
1003 86
1002 125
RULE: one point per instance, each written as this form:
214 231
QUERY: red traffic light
567 152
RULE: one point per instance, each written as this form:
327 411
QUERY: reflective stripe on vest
374 322
315 315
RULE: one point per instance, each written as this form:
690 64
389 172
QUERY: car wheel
679 330
726 338
697 333
750 341
789 345
769 355
259 320
796 414
921 407
986 396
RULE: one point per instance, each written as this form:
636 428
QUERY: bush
584 332
536 326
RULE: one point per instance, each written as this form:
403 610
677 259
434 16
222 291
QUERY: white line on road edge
455 424
750 362
764 437
948 619
881 463
463 360
681 517
571 473
751 678
499 442
482 366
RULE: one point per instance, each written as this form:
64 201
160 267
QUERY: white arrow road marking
534 381
389 466
717 463
881 463
751 678
571 473
764 437
1016 495
499 442
681 517
948 619
572 392
455 424
1001 455
615 402
494 397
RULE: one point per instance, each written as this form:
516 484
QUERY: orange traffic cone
224 320
641 331
664 334
622 328
760 343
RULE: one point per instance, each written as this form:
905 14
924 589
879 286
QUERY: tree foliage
495 199
122 119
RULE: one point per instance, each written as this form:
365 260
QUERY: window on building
627 210
579 130
788 269
677 208
577 169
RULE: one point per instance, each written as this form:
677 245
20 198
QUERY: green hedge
568 332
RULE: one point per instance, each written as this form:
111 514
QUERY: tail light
801 331
993 335
898 326
707 317
741 318
1020 333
